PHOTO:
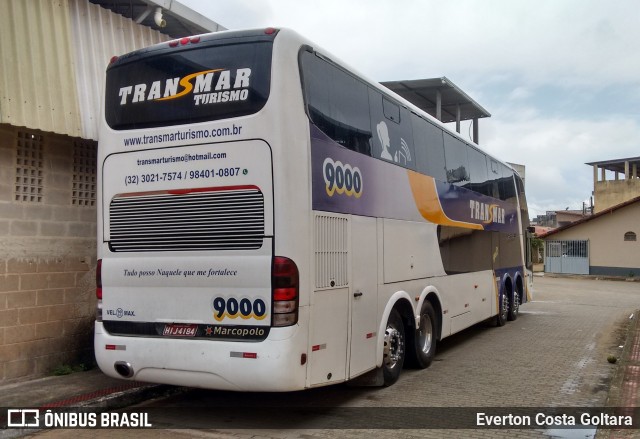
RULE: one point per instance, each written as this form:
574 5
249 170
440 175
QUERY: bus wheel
514 306
425 338
394 349
501 318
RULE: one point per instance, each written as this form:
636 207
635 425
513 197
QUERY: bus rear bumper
267 366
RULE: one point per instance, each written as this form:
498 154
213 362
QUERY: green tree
537 246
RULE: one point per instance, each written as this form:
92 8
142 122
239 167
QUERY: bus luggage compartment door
329 308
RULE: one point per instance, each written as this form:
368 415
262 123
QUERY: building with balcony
606 242
615 181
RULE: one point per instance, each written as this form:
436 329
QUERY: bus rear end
189 289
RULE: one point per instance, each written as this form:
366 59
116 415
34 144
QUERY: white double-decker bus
270 220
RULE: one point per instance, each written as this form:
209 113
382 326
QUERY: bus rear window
200 84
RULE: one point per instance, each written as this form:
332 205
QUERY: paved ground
554 355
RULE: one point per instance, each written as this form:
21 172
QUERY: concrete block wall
47 256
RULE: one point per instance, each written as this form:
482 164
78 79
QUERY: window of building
630 236
29 167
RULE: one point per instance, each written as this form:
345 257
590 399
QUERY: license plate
180 330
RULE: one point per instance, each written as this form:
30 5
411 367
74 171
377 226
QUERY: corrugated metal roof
99 34
37 77
53 59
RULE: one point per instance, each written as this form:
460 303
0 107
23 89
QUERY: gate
568 257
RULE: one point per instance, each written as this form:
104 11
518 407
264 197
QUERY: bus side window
494 177
522 198
478 172
455 153
392 133
337 103
391 111
429 148
507 186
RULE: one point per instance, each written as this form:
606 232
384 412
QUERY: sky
561 78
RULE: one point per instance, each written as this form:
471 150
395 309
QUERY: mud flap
373 378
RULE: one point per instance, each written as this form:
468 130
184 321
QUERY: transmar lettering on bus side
487 213
204 81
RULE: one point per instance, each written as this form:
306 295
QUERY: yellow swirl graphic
242 316
427 201
187 85
492 208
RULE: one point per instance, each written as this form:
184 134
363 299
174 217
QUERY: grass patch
65 369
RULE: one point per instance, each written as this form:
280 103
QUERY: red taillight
99 280
285 292
173 43
184 41
285 278
270 31
195 40
113 59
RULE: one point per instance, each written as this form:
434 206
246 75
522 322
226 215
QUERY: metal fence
569 257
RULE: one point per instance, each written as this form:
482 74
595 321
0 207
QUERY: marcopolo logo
206 87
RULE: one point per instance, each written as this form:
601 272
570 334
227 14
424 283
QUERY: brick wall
47 252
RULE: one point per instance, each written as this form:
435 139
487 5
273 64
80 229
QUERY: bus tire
424 349
514 306
394 349
503 311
